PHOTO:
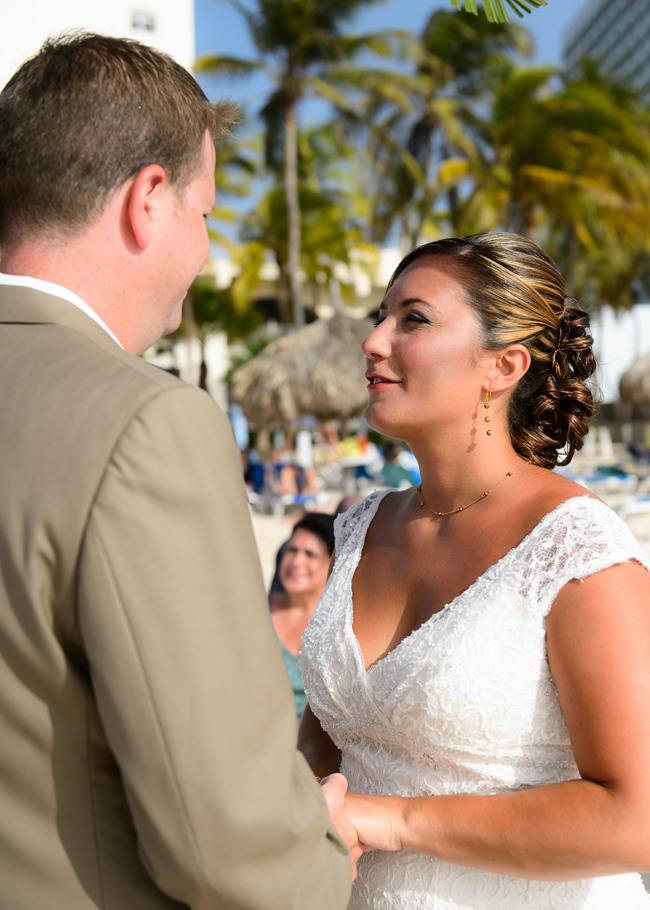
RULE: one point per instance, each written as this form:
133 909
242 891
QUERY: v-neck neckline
371 513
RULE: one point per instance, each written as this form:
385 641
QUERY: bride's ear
508 367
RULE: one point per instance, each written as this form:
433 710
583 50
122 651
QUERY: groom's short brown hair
84 115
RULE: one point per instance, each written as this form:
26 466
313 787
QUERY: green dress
292 664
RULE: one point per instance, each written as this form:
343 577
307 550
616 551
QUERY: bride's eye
417 318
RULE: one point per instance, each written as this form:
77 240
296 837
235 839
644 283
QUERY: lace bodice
465 704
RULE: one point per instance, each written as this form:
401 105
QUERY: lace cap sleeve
581 537
348 522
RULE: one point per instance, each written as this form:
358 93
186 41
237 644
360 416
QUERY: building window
144 21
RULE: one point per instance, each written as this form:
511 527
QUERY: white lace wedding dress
465 704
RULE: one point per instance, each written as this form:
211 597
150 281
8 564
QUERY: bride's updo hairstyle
518 295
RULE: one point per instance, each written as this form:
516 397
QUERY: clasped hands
363 822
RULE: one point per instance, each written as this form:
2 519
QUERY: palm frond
398 44
496 11
391 90
228 67
218 237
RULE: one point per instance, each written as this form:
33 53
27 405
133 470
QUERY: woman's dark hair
517 293
320 525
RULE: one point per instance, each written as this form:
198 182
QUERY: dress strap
350 525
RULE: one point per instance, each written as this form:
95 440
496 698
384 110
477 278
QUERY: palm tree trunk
423 210
454 211
293 212
189 331
571 262
203 370
335 295
189 324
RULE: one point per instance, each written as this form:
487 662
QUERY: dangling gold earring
486 405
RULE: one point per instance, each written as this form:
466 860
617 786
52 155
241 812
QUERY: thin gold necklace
478 498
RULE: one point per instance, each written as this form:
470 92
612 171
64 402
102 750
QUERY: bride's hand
378 820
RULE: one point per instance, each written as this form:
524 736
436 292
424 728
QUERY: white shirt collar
48 287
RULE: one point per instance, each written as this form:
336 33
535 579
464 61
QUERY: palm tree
569 165
432 122
298 42
495 10
457 54
332 224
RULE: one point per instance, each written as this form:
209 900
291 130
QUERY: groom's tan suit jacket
147 728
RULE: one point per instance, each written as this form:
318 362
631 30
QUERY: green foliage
334 214
328 236
570 166
237 163
379 439
495 10
214 310
438 129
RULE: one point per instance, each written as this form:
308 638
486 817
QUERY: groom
147 733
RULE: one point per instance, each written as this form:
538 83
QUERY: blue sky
219 28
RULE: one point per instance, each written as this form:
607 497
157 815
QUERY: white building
616 33
164 24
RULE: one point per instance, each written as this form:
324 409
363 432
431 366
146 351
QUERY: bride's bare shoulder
548 489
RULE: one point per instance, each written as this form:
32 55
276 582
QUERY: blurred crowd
316 468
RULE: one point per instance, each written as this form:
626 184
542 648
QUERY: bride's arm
598 635
322 755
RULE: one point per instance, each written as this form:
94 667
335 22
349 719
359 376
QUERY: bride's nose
377 345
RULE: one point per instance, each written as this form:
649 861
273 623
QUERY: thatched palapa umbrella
317 370
634 387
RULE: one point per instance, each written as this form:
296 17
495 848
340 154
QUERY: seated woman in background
303 573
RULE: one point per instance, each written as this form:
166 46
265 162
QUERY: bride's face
424 365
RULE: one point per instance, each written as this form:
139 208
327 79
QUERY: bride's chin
371 419
382 423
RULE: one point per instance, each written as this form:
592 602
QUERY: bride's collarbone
408 573
411 569
403 587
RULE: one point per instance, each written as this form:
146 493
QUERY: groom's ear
144 201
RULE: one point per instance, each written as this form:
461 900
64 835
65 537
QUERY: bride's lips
377 381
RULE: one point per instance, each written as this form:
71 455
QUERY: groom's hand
334 788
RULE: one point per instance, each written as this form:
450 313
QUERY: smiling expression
183 244
425 369
304 565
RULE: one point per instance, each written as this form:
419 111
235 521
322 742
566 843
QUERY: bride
488 699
